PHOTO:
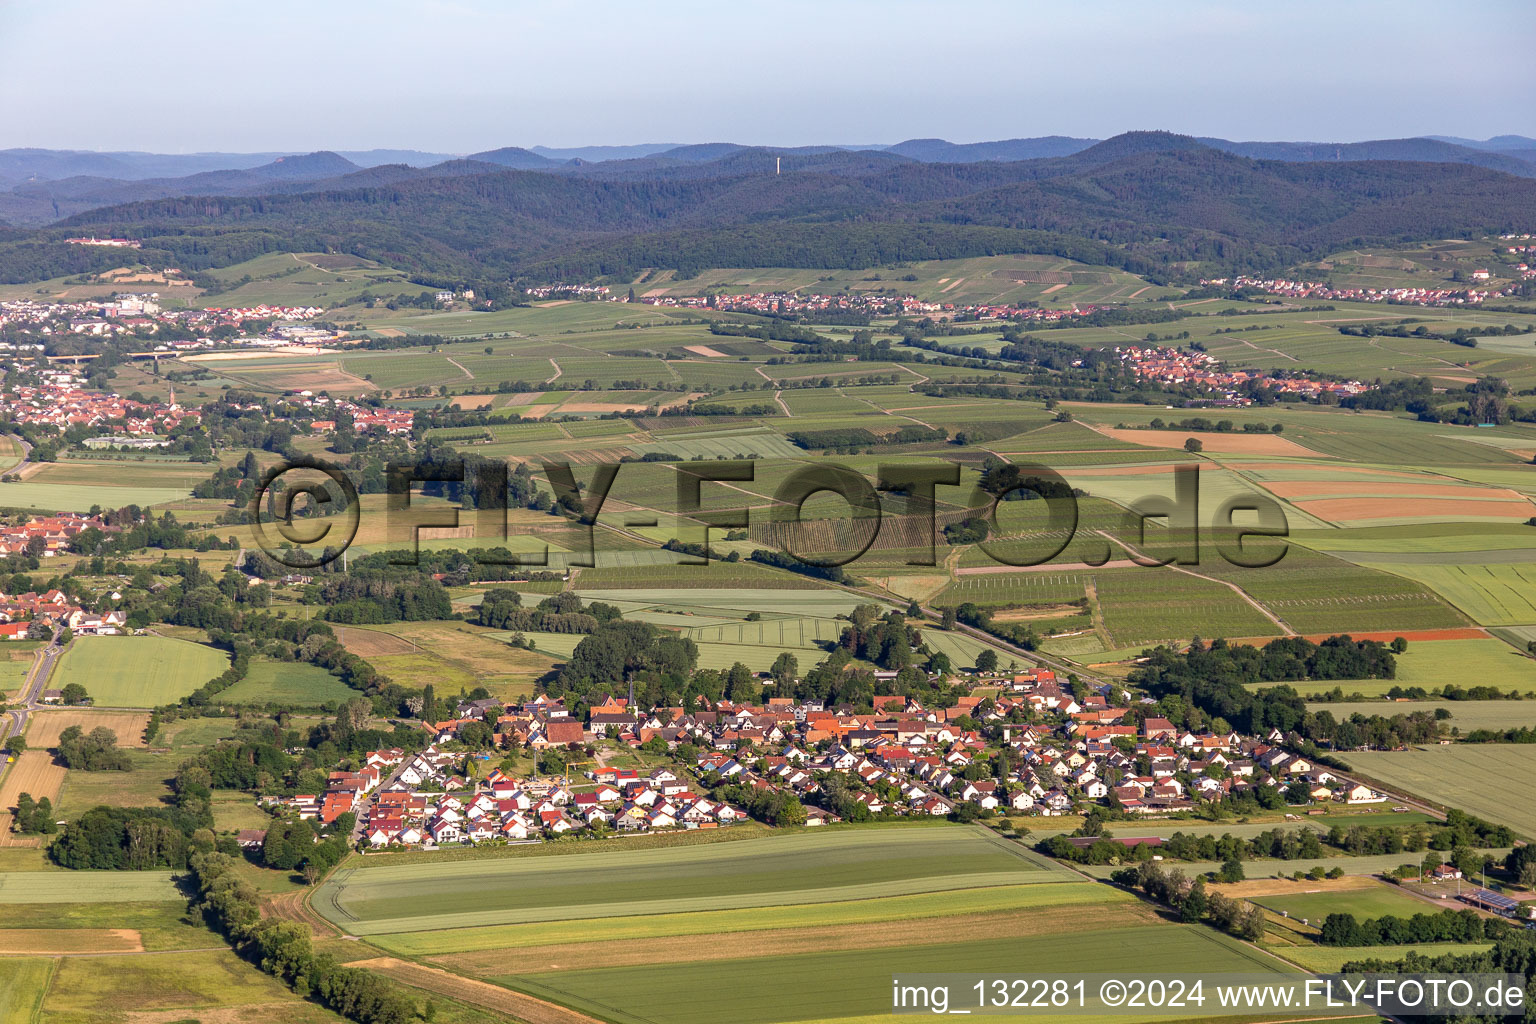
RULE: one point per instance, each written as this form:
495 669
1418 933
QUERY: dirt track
476 993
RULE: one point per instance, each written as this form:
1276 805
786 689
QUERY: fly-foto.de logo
306 513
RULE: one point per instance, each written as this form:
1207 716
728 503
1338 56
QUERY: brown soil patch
54 941
789 941
127 726
1309 488
477 993
1239 443
704 350
1385 636
367 643
473 401
1054 288
1032 612
524 397
1348 510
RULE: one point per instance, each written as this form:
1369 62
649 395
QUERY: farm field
1321 959
23 982
1434 663
854 983
1466 715
138 671
1488 780
1375 901
88 887
36 773
128 726
712 922
282 682
774 871
48 497
210 985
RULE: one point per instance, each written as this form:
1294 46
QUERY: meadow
137 671
287 682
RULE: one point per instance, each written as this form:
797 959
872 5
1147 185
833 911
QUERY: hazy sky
461 76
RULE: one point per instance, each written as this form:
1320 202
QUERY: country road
15 720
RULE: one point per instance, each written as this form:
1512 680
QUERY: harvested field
1352 510
56 941
370 643
1240 444
34 772
704 350
1254 888
128 726
476 993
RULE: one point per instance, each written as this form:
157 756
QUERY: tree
784 670
1194 444
986 661
73 693
16 744
1196 901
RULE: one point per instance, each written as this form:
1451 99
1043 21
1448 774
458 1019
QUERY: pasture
1488 780
765 872
138 671
287 682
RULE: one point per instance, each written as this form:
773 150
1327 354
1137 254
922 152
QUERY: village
798 304
1297 289
1024 747
1179 368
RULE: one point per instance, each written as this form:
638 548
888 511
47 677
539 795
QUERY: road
15 721
363 805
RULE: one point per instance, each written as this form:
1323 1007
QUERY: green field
709 922
1466 715
1489 780
773 871
287 682
137 671
837 984
1377 901
23 982
1321 959
1434 663
87 886
44 497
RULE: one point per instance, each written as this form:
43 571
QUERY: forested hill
1144 200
